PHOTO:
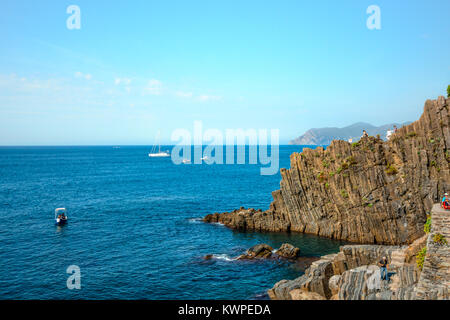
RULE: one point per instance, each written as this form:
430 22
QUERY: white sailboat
159 154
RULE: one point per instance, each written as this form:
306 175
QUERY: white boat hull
158 155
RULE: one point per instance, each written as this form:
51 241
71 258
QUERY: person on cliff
383 263
365 135
445 203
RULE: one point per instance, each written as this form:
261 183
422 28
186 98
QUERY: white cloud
184 94
86 76
124 81
205 98
153 87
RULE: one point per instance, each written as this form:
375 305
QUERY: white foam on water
195 220
224 257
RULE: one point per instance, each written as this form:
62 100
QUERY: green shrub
327 185
339 170
321 177
412 134
448 91
420 258
433 163
440 239
325 163
331 173
351 160
370 205
427 226
344 194
344 165
355 144
391 170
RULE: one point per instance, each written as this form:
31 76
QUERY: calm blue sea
133 226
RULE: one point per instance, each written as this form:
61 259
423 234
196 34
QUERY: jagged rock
208 257
434 282
352 273
318 276
369 192
358 283
315 279
288 251
260 251
334 284
298 294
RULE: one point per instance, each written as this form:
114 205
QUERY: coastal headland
375 193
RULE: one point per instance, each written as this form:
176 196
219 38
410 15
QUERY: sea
135 229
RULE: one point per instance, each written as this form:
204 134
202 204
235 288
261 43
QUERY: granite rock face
371 192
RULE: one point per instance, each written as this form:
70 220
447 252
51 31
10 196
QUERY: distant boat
159 154
60 216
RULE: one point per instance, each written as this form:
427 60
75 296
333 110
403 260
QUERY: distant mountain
324 136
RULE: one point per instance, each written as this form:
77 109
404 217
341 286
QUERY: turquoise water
133 226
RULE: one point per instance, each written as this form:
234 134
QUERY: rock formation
259 251
372 191
352 273
288 251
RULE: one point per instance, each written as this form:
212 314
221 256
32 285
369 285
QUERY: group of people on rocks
388 134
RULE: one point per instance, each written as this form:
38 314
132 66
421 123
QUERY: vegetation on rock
427 226
440 239
420 258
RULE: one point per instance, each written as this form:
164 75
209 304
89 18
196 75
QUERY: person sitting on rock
365 135
383 263
445 203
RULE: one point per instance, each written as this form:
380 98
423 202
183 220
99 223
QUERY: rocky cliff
352 273
368 192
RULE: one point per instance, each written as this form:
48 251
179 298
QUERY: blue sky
136 67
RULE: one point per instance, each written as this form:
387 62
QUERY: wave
224 257
195 220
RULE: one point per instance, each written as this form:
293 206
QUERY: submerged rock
259 251
288 251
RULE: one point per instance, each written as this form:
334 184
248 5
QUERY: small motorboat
60 216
